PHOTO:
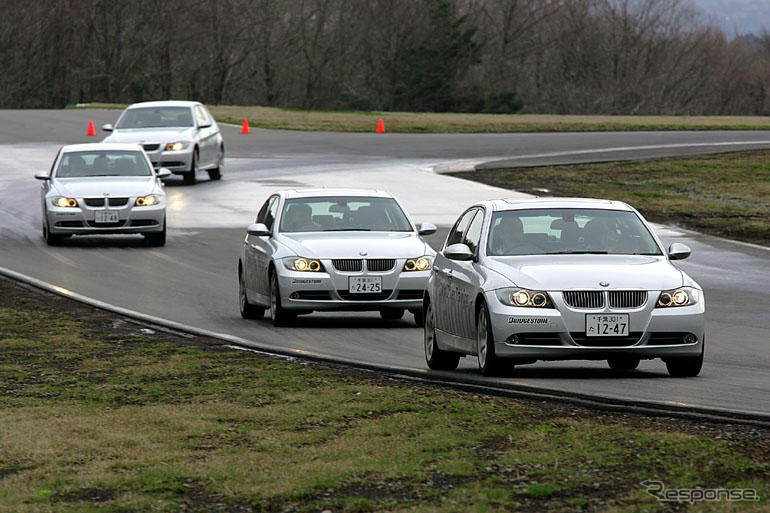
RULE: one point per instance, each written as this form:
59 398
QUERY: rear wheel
435 357
248 310
280 316
623 363
191 176
392 314
489 363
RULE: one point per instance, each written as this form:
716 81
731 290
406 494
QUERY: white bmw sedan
100 189
333 249
558 279
180 136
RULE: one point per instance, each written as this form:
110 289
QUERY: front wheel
685 366
489 363
248 310
436 358
280 316
216 173
51 239
157 239
191 176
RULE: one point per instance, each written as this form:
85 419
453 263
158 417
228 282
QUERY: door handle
254 246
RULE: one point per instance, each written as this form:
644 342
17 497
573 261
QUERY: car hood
565 272
109 185
352 244
150 135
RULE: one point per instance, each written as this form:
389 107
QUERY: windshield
103 163
569 231
347 213
156 117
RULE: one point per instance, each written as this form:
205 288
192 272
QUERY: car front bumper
177 162
81 220
329 289
559 333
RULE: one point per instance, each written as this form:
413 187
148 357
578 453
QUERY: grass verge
98 413
429 122
726 194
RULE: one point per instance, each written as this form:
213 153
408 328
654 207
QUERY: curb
424 376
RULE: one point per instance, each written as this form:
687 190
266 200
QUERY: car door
445 303
465 280
259 251
206 137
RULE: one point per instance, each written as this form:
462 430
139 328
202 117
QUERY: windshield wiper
347 230
581 252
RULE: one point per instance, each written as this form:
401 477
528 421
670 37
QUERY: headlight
683 296
422 263
64 202
146 201
524 298
176 146
303 265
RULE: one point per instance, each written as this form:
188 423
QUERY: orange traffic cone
245 128
91 130
380 127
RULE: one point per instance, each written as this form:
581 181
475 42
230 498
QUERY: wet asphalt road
192 279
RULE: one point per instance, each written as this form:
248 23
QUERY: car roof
339 191
164 103
530 203
101 147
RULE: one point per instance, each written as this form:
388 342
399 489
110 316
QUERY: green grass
726 194
429 122
104 420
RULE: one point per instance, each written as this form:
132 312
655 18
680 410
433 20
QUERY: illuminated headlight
684 296
524 298
422 263
303 265
64 202
146 201
176 146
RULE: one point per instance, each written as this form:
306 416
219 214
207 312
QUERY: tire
157 239
622 363
280 316
392 314
489 363
419 317
248 310
191 176
216 173
436 358
51 239
686 366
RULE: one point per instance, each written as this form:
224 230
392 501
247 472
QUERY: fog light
513 339
690 339
294 295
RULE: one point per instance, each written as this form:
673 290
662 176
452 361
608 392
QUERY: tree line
504 56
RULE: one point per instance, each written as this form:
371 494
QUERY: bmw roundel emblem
604 283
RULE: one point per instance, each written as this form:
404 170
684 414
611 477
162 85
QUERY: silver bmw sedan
557 279
333 249
103 188
180 136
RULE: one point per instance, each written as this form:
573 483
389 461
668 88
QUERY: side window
272 209
263 211
473 234
460 228
200 116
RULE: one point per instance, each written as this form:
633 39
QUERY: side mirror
163 173
258 230
42 175
427 229
678 251
458 252
107 128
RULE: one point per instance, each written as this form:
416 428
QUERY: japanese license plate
105 216
364 284
607 325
